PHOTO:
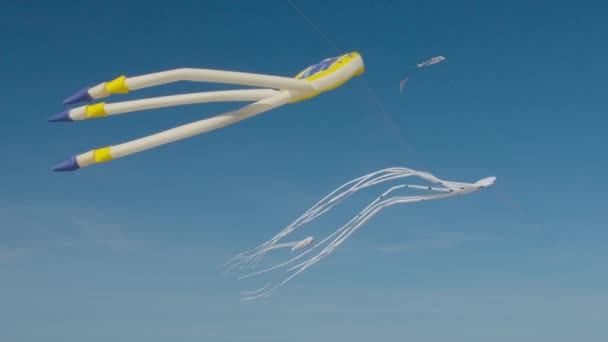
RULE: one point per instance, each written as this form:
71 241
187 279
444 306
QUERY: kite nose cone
67 165
80 96
61 117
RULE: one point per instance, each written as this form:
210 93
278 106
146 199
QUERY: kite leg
123 84
216 76
174 134
200 126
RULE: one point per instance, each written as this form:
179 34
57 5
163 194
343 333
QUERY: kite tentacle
329 243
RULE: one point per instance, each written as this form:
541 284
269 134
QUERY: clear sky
127 251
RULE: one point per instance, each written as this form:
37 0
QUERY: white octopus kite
296 265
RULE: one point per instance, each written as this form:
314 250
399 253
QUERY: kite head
331 73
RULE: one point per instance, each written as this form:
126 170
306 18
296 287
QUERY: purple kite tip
61 117
67 165
81 96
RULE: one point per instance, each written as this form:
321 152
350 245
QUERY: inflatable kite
293 267
424 64
277 91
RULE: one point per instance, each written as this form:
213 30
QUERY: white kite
289 269
424 64
326 75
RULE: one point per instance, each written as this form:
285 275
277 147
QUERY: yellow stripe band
96 110
117 86
102 155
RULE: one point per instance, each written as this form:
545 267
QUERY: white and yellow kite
277 91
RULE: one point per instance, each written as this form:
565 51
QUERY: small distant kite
424 64
326 75
291 268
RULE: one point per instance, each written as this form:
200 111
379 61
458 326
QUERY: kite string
371 94
331 42
392 128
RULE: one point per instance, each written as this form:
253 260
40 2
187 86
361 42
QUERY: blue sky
127 251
